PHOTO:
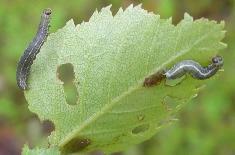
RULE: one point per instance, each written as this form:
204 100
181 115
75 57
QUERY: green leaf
41 151
111 57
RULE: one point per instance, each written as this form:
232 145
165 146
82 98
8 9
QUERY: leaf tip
108 7
129 7
187 17
70 23
120 11
106 11
139 6
94 15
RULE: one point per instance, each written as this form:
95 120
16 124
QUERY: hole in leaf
38 130
76 145
140 129
65 73
47 127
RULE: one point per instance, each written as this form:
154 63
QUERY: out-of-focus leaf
8 109
40 151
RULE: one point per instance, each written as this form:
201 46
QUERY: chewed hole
65 73
140 129
47 127
38 130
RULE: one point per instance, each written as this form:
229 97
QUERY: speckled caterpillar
32 50
195 69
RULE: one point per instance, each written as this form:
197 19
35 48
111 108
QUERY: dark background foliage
205 126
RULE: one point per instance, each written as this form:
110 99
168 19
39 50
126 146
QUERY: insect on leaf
110 58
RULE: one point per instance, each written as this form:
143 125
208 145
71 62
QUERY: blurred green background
206 126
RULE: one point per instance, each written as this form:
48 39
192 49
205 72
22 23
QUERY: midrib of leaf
130 90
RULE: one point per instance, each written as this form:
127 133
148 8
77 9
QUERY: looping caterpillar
32 50
195 69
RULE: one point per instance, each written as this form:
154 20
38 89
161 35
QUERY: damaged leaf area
38 151
119 97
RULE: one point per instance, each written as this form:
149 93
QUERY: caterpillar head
218 61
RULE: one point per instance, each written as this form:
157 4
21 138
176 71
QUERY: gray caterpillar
32 50
194 69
